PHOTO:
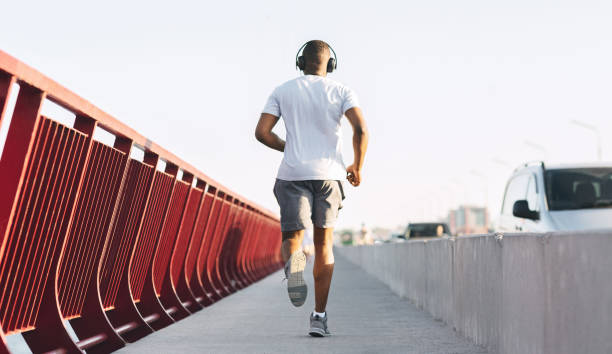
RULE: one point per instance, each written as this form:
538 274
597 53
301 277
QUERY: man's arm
360 144
264 134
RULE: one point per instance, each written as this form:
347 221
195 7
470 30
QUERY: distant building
468 220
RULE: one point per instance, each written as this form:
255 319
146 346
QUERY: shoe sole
296 287
318 333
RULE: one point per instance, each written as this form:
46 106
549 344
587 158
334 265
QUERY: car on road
542 198
427 229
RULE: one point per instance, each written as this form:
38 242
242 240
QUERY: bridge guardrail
116 245
513 293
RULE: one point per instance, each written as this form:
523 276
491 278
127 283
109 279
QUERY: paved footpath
364 317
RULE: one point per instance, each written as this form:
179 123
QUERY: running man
308 185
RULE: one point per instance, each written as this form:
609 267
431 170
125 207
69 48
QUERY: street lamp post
593 129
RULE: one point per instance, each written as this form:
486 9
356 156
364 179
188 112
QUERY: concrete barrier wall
515 294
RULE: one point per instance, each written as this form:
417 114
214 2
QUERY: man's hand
353 175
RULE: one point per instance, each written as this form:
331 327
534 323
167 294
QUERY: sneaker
318 326
294 270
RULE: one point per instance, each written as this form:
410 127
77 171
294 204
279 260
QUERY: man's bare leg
292 241
295 261
323 266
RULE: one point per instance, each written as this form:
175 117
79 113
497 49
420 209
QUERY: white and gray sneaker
318 326
294 271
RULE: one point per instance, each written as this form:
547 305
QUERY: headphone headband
300 63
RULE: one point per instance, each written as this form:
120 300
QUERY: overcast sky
447 87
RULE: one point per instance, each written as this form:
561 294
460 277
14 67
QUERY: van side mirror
520 209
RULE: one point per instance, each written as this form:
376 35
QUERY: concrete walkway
364 317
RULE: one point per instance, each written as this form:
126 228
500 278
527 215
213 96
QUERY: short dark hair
313 54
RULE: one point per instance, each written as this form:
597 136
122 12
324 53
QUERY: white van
541 198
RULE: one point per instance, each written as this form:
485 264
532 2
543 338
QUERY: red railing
114 244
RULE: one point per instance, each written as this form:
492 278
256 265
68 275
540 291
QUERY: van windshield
579 188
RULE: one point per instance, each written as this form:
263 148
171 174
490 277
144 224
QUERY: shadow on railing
111 238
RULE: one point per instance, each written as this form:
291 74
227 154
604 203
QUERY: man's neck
320 72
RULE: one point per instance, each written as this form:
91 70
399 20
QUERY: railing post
50 332
93 320
163 258
204 251
149 305
16 154
250 245
185 238
124 237
6 84
192 265
214 272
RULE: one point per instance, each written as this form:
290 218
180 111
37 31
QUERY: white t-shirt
311 107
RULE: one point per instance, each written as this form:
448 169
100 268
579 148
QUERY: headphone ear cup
300 63
331 65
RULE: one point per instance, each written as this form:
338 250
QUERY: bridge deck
365 316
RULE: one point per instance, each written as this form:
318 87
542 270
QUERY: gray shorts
303 203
